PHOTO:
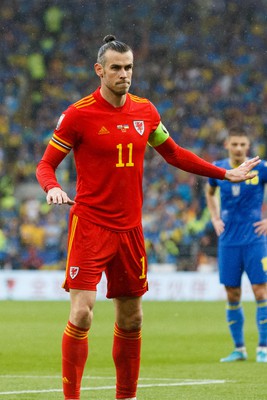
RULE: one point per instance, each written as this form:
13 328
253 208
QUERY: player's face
116 73
238 147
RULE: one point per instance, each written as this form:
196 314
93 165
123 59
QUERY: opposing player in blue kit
242 246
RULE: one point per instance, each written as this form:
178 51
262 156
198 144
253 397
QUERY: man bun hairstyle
111 43
109 38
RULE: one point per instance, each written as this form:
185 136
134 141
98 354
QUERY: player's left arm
180 157
190 162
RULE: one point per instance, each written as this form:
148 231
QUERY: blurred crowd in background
202 63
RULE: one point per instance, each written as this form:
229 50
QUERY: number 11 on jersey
120 162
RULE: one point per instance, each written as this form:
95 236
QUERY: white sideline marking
186 382
100 377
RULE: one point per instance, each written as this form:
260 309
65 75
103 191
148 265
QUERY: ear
99 70
225 143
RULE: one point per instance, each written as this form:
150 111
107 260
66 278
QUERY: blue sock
261 317
235 319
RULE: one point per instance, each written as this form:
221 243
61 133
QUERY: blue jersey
241 205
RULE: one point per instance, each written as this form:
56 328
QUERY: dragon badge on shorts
74 272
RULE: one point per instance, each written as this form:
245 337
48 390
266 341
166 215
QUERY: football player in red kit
108 132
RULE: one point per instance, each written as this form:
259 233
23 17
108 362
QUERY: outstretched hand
58 196
242 173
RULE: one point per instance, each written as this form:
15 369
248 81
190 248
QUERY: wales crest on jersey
139 127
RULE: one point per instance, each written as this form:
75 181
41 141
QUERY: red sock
126 355
74 356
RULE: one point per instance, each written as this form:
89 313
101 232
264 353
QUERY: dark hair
110 43
238 130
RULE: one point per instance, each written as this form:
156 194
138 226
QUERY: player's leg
231 269
75 341
256 268
89 248
127 345
235 319
260 292
127 282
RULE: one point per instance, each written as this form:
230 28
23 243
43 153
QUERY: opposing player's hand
218 225
58 196
242 173
261 227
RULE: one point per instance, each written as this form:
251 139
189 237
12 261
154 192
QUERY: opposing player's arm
212 201
261 226
214 208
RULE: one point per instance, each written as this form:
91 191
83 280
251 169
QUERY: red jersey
109 145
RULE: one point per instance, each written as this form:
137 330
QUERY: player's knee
136 321
82 316
233 293
131 322
260 292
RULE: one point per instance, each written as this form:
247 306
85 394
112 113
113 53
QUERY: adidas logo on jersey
103 131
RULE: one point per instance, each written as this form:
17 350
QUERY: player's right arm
214 208
57 196
46 176
56 150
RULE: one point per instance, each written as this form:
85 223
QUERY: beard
121 88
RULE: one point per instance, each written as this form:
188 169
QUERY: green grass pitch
182 345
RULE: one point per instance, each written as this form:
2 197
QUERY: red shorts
92 249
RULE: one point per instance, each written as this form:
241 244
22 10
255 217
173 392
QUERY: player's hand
242 173
218 225
261 227
58 196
